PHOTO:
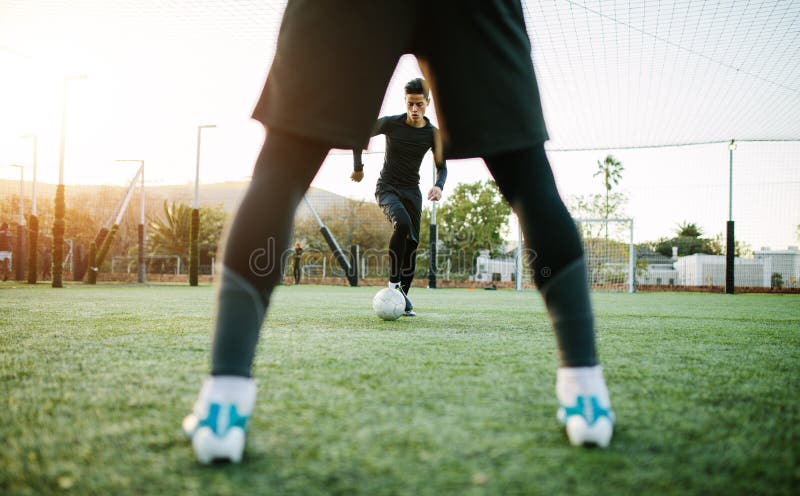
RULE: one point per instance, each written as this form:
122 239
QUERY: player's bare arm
358 167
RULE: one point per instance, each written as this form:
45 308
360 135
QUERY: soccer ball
389 304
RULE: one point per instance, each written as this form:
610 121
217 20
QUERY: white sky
612 73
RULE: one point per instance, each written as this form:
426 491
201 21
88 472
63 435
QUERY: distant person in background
298 254
47 261
5 251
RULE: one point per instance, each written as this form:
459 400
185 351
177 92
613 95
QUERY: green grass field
460 400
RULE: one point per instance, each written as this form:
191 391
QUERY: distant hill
227 194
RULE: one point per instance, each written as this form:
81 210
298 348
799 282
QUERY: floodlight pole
194 242
142 277
730 250
33 191
33 222
196 203
518 282
21 193
434 233
60 203
19 268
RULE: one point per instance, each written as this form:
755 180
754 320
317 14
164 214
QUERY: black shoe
409 312
409 306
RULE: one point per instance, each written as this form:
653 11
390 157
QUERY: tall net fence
90 213
671 212
666 227
681 201
613 76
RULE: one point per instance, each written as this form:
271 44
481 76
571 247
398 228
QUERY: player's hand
435 194
357 176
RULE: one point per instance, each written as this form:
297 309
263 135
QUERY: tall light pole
33 222
60 204
21 193
519 267
19 266
141 277
33 164
432 269
730 250
194 235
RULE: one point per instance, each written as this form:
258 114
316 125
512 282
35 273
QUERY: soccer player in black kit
409 136
324 90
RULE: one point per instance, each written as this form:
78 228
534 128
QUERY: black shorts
334 60
401 205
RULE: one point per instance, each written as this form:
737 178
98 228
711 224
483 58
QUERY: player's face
415 108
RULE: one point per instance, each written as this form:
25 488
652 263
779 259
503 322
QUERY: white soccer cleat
218 423
584 406
587 423
227 444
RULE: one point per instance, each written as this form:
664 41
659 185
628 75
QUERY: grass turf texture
459 400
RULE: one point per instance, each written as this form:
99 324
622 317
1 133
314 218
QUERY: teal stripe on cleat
589 408
212 419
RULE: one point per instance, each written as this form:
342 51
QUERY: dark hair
417 86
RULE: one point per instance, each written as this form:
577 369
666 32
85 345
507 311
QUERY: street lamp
434 235
60 204
196 204
19 267
33 163
33 222
63 134
730 246
21 193
194 242
141 233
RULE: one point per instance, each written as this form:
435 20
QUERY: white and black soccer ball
389 304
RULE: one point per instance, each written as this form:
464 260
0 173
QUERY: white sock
572 382
241 391
393 285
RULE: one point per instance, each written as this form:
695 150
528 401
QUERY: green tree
689 240
610 171
718 247
473 218
597 206
689 230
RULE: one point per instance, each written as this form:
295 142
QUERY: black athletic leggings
403 208
526 181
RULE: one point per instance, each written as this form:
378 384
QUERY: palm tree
610 170
689 230
169 234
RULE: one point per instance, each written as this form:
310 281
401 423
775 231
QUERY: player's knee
402 226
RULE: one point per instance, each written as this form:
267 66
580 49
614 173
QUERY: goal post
610 252
351 272
109 230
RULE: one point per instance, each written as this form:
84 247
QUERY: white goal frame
631 267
